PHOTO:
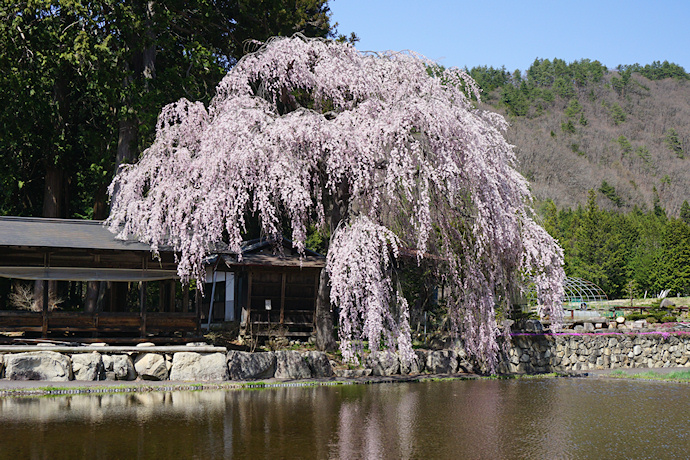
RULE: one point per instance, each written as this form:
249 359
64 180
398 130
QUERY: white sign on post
268 304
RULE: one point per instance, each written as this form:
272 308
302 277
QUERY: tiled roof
62 233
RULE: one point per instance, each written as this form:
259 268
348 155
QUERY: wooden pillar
317 277
197 303
46 299
248 319
282 297
142 306
163 305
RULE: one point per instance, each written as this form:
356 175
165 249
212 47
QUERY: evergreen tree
673 264
86 80
598 250
673 143
685 212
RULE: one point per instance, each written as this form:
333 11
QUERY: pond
544 418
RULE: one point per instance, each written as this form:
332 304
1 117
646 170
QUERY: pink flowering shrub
301 124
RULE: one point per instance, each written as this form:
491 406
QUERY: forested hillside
607 153
579 126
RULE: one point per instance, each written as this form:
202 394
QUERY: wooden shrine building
269 291
63 278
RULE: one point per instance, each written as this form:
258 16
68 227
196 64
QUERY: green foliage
544 80
621 83
656 204
316 240
685 212
514 100
673 143
576 149
568 127
489 78
635 316
583 120
563 87
672 268
617 114
79 71
659 70
596 252
622 253
626 146
610 192
643 153
573 109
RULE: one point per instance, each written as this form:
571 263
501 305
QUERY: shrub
635 316
668 319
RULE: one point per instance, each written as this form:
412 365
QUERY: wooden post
282 298
213 295
46 299
142 306
316 295
197 302
248 319
163 292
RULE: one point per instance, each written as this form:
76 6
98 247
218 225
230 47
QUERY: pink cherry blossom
294 124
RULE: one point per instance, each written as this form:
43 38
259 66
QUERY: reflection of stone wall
582 352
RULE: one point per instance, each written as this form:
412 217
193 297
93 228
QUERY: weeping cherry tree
385 150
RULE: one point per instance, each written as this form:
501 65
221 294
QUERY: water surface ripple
549 418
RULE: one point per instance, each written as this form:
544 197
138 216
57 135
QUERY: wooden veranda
66 279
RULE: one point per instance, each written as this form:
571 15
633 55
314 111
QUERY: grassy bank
676 376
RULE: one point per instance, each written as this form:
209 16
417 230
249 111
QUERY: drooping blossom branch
294 124
359 265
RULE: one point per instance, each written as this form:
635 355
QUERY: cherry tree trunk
325 339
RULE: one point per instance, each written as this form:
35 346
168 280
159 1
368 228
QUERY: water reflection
460 419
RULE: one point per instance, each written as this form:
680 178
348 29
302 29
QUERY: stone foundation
526 354
206 364
583 352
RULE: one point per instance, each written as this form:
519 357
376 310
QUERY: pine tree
685 212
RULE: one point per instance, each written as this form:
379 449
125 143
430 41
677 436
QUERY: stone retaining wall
582 352
528 353
213 366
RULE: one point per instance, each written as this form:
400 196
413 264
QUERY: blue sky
515 32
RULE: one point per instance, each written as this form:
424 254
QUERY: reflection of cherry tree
380 150
381 423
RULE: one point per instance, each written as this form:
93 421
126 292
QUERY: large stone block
119 367
319 364
251 366
151 366
416 366
383 364
87 366
442 362
352 373
199 366
38 365
291 365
